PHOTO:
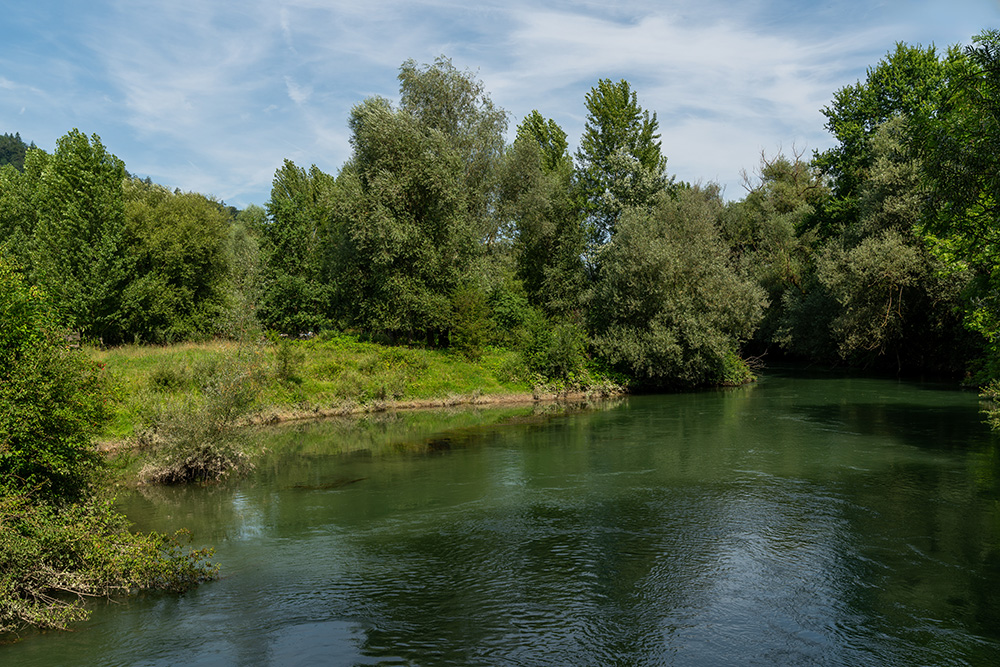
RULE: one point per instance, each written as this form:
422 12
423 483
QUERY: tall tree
178 261
407 240
619 162
959 143
297 250
81 234
19 205
910 81
537 197
770 230
422 189
441 98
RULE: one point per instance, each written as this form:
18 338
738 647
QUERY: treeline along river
827 520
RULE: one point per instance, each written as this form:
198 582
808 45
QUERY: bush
199 439
54 558
59 542
668 308
52 400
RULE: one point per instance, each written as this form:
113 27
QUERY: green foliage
298 239
19 206
770 232
244 280
619 160
470 321
288 362
536 195
407 242
959 144
872 283
443 100
420 193
55 557
910 81
555 351
199 437
52 401
12 150
667 307
179 263
59 542
81 237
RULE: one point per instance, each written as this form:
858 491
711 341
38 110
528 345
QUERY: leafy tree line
877 252
881 251
435 232
61 541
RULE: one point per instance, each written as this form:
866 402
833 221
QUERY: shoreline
276 415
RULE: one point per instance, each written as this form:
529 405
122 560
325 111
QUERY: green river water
803 520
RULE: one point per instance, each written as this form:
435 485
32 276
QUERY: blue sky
211 95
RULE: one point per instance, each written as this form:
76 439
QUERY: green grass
327 373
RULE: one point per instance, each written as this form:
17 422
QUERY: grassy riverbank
185 404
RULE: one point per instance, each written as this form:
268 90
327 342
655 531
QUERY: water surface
801 521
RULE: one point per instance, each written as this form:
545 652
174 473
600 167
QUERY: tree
419 200
60 540
440 98
13 150
19 206
910 81
880 294
80 239
771 233
297 250
179 264
619 162
959 144
667 308
549 236
52 402
407 240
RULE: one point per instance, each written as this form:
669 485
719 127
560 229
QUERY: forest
880 253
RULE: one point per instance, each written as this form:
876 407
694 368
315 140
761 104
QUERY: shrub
52 400
199 439
54 558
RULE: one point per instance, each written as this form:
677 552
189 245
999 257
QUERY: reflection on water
836 521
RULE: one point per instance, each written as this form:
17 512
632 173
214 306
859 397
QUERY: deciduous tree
619 162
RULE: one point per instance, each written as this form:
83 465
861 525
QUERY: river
804 520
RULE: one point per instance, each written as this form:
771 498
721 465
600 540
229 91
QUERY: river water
804 520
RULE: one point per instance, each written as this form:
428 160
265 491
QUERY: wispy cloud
211 95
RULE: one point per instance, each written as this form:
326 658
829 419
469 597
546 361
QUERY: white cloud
235 86
298 94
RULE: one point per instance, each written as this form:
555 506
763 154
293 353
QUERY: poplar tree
619 162
81 236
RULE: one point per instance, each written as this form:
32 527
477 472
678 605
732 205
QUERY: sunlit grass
325 374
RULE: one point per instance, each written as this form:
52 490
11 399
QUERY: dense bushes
667 307
60 541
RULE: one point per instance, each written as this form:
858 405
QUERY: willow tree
420 195
668 309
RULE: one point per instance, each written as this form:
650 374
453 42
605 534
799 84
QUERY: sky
211 96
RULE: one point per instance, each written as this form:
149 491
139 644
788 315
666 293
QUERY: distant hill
12 150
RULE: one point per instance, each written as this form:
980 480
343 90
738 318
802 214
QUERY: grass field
326 375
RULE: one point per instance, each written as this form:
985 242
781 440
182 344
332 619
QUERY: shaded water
826 521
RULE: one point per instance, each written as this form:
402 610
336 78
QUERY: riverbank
162 392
